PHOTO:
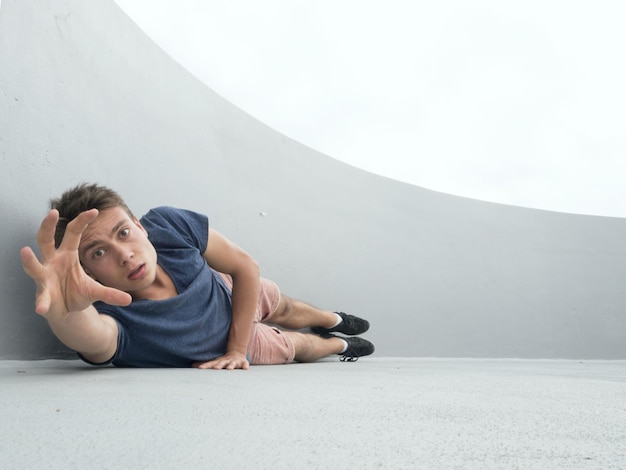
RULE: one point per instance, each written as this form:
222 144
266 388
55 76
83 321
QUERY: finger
42 301
202 365
35 269
236 364
232 364
111 296
221 363
45 235
213 364
31 264
74 230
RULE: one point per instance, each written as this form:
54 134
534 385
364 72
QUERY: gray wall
86 96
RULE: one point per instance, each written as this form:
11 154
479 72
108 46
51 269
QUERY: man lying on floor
169 291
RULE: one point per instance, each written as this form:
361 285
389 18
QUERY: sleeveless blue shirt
194 325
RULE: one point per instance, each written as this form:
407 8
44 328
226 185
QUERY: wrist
237 351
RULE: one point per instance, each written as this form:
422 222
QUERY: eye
124 232
98 253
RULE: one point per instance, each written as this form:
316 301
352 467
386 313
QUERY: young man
168 291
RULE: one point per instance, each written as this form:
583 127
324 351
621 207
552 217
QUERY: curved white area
85 95
512 103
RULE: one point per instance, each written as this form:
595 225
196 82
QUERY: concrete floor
389 413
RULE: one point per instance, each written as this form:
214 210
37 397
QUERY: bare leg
295 315
310 347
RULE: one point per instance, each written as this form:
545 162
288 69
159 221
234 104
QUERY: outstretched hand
62 284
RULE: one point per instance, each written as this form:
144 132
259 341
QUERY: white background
515 102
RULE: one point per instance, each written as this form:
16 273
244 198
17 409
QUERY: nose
124 255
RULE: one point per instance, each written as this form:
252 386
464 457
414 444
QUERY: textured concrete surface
375 413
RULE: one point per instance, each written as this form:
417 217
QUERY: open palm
62 284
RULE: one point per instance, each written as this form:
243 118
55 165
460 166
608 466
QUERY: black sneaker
350 325
357 347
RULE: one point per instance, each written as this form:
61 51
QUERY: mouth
137 273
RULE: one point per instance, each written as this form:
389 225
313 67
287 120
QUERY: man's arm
65 293
90 333
226 257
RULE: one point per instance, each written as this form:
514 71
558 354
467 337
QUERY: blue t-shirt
194 325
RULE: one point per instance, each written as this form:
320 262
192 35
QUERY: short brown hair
81 198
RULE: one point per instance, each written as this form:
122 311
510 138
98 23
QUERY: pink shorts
268 345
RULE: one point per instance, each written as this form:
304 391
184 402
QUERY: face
115 251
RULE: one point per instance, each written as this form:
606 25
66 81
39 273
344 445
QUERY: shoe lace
348 359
